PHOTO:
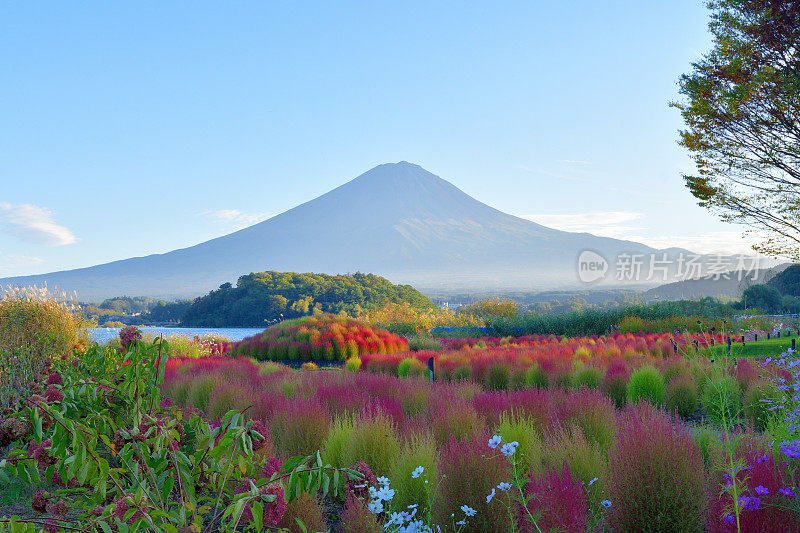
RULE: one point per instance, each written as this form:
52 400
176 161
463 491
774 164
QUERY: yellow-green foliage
373 439
647 384
526 432
498 307
186 346
353 363
36 326
418 451
406 320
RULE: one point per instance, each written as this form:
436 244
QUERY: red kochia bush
657 475
323 337
560 500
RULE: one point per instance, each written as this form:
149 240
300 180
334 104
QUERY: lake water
103 335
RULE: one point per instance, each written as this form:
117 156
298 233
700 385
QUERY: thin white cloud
715 242
616 224
34 224
575 161
237 218
603 224
584 219
10 262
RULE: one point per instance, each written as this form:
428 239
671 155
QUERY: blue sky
140 128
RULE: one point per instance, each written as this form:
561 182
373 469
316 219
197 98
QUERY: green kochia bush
721 399
419 450
756 406
535 376
372 438
588 376
498 377
681 396
647 384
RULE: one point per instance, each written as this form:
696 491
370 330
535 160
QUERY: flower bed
587 463
665 370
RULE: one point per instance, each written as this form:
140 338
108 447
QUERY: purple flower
791 449
728 518
39 501
749 502
788 491
59 508
606 503
52 394
762 490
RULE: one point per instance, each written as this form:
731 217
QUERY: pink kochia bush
558 499
657 475
468 473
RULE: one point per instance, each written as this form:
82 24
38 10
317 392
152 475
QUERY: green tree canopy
267 297
763 297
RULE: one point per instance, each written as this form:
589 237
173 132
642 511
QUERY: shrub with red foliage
559 498
299 426
657 475
305 509
746 373
319 337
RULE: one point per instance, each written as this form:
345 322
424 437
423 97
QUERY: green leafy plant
129 463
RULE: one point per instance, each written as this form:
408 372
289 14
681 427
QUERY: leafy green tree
742 117
791 304
763 297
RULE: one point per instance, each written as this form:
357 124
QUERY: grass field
760 348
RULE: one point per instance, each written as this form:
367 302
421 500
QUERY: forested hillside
265 297
788 281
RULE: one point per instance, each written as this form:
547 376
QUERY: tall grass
36 326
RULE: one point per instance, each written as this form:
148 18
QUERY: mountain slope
732 285
396 220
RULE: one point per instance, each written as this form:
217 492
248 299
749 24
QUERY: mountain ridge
396 220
